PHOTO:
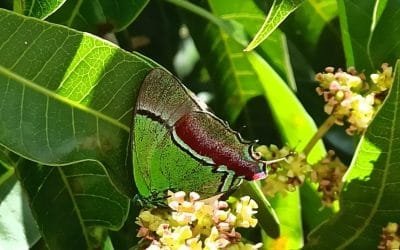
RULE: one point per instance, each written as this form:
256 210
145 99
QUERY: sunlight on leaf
372 196
89 119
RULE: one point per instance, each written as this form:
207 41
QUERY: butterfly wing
179 145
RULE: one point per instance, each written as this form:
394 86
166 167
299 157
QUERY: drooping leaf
280 9
69 202
70 102
37 8
98 17
371 189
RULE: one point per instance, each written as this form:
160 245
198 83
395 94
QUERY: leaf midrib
32 85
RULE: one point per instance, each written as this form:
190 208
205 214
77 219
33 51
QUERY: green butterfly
179 145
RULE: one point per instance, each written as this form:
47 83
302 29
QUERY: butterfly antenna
285 158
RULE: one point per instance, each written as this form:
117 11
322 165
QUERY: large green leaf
280 9
37 8
66 97
70 202
371 190
100 16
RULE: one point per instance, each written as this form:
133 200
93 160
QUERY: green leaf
287 209
373 41
296 128
313 30
69 202
371 189
355 34
280 9
98 17
384 43
274 49
70 102
310 19
18 229
37 8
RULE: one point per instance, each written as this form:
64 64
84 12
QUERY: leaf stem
328 123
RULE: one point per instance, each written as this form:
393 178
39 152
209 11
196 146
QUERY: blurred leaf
99 17
232 29
373 41
309 20
125 237
280 9
274 49
71 102
355 34
18 229
235 83
37 8
297 128
155 33
288 210
6 163
231 17
69 202
371 190
313 28
384 45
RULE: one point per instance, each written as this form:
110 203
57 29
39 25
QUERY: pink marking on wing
192 133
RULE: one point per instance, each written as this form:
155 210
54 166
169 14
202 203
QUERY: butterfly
179 145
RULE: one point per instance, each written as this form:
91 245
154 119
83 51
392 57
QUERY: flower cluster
390 237
349 98
284 175
328 173
194 224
